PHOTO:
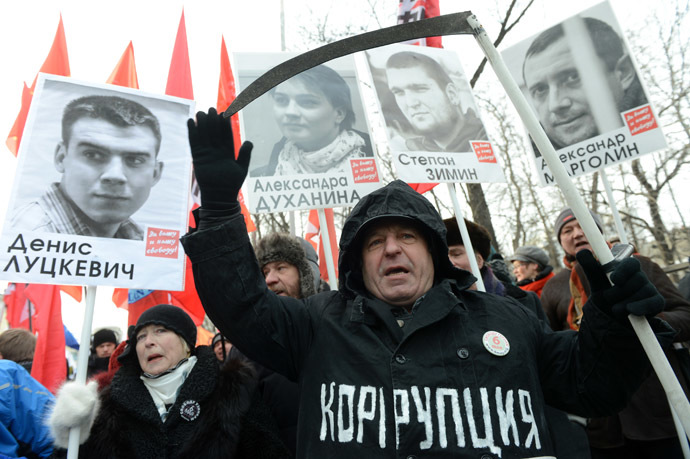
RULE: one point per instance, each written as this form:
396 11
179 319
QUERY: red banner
125 72
56 63
49 366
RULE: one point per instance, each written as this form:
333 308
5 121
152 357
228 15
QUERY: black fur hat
479 236
287 248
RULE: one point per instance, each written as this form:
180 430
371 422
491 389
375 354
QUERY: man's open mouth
154 357
395 270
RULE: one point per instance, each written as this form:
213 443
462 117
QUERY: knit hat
169 316
479 236
287 248
567 215
104 335
531 254
217 337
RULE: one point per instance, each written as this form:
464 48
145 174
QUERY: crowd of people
407 358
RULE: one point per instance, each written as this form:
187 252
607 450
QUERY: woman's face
305 116
459 259
159 349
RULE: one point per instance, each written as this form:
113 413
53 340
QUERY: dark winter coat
281 397
230 424
96 365
371 389
569 438
647 416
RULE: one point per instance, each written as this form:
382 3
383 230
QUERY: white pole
82 363
467 242
682 438
656 356
614 208
326 241
291 223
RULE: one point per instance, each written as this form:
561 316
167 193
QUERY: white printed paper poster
311 136
101 190
583 85
432 122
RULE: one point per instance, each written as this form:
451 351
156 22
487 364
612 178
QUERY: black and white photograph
428 107
102 164
582 83
310 126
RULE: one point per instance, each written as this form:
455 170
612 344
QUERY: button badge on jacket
189 410
496 343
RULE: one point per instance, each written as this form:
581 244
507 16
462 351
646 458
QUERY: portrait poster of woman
312 146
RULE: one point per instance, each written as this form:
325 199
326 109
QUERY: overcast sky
98 32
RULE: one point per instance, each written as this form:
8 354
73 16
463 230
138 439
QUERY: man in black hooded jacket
403 360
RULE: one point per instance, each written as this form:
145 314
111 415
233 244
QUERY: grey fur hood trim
284 247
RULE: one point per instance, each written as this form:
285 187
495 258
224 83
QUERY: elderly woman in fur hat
168 400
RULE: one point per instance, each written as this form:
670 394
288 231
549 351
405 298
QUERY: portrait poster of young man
311 136
580 78
432 122
101 190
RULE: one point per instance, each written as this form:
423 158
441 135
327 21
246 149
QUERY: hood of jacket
395 200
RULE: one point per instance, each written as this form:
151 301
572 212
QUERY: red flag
75 291
120 298
49 366
314 230
226 94
125 72
180 73
188 300
18 307
141 300
416 10
56 63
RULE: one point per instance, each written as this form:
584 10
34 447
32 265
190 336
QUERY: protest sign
312 147
101 190
432 122
582 84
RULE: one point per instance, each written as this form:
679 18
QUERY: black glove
631 292
219 174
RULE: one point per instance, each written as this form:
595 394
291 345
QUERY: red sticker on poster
640 120
364 170
162 243
484 151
